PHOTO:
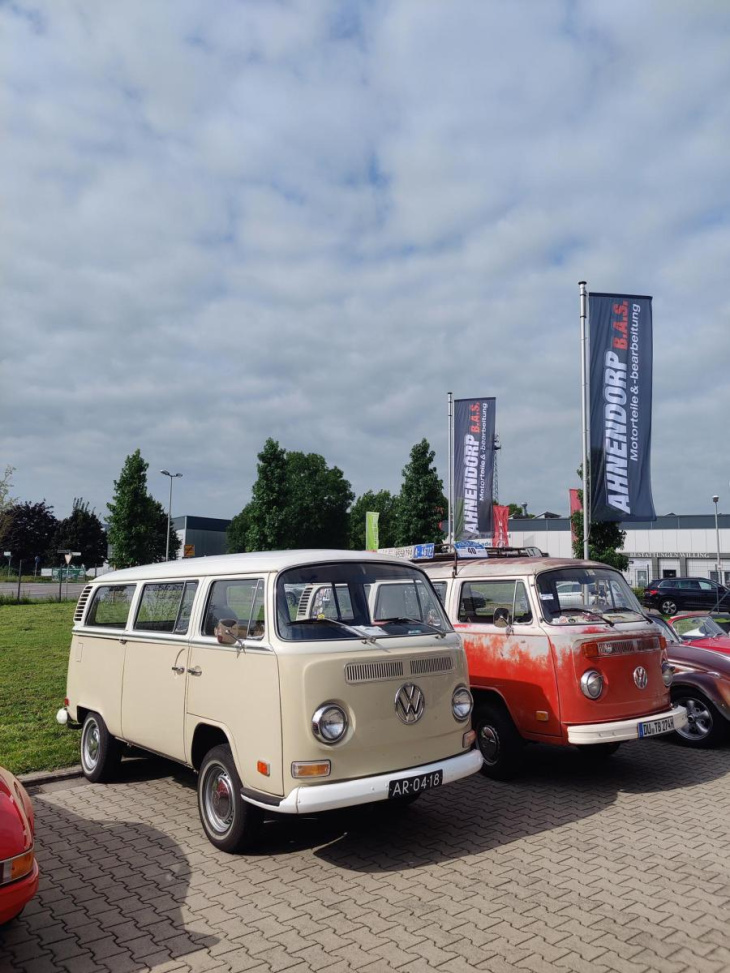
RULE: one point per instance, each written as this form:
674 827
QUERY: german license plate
656 726
408 786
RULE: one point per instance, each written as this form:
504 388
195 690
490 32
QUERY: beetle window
238 605
480 600
110 606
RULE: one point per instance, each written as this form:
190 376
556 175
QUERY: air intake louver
81 604
372 671
431 665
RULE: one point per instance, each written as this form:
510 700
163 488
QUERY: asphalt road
40 591
615 866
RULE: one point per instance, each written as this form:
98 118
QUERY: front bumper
365 790
589 733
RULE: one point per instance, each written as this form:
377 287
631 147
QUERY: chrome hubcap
699 720
90 748
488 743
218 799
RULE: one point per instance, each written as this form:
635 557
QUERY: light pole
173 476
717 539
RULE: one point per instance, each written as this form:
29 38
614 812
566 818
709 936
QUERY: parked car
702 685
269 675
18 867
671 595
559 652
700 629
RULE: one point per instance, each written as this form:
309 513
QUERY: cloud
311 222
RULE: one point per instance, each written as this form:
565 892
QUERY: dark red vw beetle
18 867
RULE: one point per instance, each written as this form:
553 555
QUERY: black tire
707 727
101 753
229 822
599 751
500 744
667 606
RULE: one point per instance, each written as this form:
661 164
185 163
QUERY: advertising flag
575 506
501 526
372 518
473 472
620 408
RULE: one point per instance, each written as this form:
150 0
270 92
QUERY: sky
311 220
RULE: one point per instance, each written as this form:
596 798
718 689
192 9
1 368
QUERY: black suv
671 595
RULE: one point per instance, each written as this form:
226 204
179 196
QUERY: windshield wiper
620 611
404 619
371 639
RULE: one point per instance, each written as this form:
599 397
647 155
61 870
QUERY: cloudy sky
310 220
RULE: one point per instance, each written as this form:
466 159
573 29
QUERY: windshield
698 627
667 631
352 600
570 596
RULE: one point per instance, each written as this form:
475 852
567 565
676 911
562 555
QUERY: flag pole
450 538
584 412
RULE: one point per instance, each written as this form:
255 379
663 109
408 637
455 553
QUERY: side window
110 606
440 587
481 599
239 604
165 607
706 586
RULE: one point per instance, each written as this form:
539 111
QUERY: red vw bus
559 652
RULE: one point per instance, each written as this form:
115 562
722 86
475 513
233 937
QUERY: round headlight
591 683
329 723
667 674
461 703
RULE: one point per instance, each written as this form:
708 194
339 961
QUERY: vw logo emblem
410 703
641 677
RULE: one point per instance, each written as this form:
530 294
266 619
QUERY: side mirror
226 631
502 618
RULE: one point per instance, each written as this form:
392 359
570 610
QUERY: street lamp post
173 476
717 539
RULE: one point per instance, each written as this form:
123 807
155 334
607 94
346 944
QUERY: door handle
122 641
197 671
178 668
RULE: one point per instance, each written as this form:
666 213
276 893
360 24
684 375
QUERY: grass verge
34 644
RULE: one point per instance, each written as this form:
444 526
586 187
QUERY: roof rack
447 552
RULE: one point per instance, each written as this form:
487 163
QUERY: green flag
371 530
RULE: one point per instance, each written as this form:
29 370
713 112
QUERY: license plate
407 786
656 726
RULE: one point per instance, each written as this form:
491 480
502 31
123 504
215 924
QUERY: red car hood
16 817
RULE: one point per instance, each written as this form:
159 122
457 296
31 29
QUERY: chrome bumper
590 733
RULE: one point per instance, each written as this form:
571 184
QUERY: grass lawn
34 644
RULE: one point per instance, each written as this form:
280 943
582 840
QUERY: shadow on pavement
110 893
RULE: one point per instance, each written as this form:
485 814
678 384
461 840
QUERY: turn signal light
15 868
468 739
311 768
263 768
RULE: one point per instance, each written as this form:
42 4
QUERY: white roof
229 564
509 566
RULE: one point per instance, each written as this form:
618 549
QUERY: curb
38 777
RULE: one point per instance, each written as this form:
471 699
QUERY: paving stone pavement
621 865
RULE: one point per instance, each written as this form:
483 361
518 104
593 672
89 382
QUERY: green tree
137 522
26 530
237 532
317 503
6 482
605 539
384 503
421 503
268 528
518 510
81 531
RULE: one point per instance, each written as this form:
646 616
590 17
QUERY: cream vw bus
272 675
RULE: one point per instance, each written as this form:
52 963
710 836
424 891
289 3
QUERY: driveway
579 866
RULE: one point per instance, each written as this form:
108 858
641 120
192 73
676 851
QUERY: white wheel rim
90 745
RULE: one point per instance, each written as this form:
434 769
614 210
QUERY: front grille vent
81 604
647 643
431 665
372 671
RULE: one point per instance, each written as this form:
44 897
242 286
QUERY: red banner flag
500 536
575 506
